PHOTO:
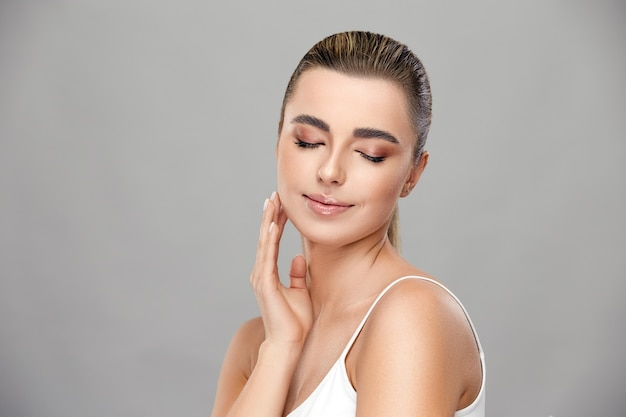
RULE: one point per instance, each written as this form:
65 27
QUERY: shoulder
238 364
245 344
421 300
417 340
251 330
412 309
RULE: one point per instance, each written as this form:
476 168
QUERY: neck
340 277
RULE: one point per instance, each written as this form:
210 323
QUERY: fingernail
273 196
265 204
271 227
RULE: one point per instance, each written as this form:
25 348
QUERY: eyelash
308 145
374 159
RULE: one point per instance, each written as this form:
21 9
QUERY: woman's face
345 155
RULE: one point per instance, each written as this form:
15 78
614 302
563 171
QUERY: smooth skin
337 142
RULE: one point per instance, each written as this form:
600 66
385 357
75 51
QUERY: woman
359 331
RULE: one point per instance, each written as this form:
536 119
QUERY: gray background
136 148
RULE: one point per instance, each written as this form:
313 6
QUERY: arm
255 377
417 356
260 389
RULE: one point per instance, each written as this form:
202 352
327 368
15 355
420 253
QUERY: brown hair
366 54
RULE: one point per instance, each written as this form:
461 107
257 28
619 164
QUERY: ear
415 174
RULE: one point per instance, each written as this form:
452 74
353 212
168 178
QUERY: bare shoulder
245 344
423 302
238 364
420 311
417 340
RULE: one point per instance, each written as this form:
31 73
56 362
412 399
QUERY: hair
372 55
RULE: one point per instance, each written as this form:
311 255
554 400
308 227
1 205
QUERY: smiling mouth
325 205
327 201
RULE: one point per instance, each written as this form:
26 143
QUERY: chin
333 233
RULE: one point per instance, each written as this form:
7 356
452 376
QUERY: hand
287 312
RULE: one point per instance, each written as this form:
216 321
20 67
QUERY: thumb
297 272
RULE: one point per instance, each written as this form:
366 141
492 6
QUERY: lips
325 205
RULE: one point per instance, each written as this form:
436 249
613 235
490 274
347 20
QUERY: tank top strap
384 291
364 319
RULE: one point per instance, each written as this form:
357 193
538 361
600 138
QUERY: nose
331 170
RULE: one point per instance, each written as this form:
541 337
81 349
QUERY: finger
268 216
281 216
274 232
297 272
279 219
265 221
275 201
278 214
262 245
270 252
270 258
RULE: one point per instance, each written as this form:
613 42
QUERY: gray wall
136 148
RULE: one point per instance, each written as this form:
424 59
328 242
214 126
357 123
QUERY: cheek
288 173
385 187
292 163
390 193
285 164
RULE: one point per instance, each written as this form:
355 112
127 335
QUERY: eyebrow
362 132
368 133
311 121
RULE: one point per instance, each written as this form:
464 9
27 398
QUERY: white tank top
336 397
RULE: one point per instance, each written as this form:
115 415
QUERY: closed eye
306 145
375 159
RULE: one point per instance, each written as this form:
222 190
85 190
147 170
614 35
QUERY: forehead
346 101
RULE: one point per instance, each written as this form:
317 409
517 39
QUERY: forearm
266 390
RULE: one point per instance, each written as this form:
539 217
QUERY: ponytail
393 233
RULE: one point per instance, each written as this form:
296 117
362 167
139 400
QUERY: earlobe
406 190
416 173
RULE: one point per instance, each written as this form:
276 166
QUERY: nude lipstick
325 205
